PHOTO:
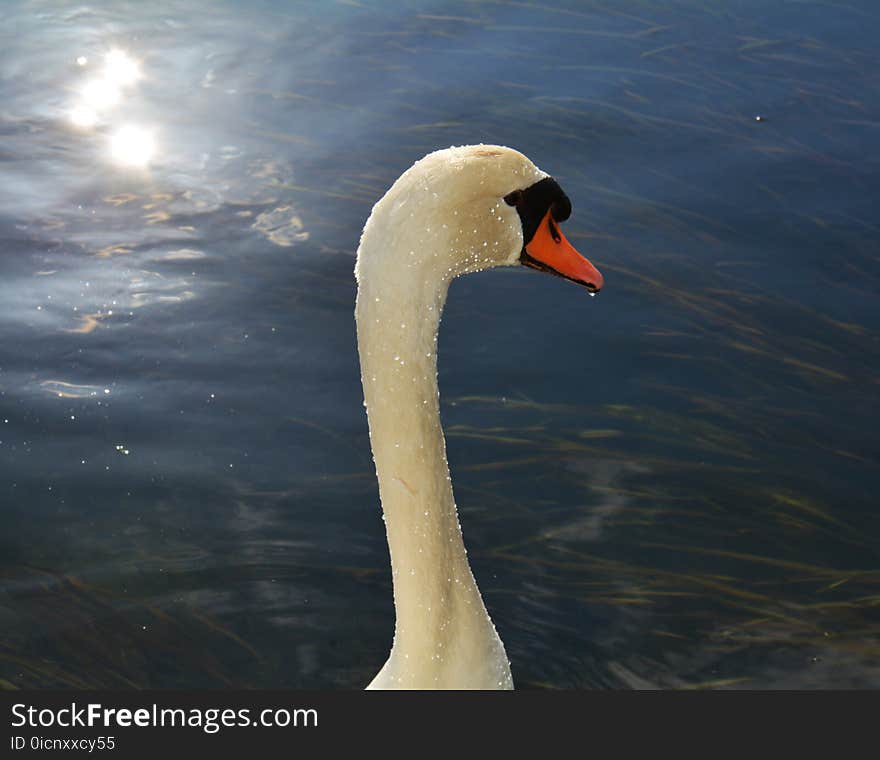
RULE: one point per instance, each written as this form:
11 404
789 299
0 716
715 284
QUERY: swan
458 210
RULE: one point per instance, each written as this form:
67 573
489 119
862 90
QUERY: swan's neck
443 635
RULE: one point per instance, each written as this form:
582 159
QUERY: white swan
456 210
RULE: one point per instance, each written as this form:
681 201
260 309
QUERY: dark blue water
673 484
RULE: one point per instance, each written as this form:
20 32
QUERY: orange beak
549 251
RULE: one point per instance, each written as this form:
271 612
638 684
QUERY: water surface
671 485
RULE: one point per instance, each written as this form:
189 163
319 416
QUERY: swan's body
455 211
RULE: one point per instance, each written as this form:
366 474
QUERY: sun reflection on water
101 94
121 68
130 145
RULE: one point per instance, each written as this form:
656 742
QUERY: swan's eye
538 202
514 198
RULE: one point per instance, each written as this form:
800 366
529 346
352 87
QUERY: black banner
135 724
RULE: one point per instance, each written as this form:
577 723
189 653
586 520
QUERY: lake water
672 485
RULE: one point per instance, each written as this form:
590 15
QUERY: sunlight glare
100 93
132 146
121 68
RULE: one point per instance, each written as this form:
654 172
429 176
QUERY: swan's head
469 208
